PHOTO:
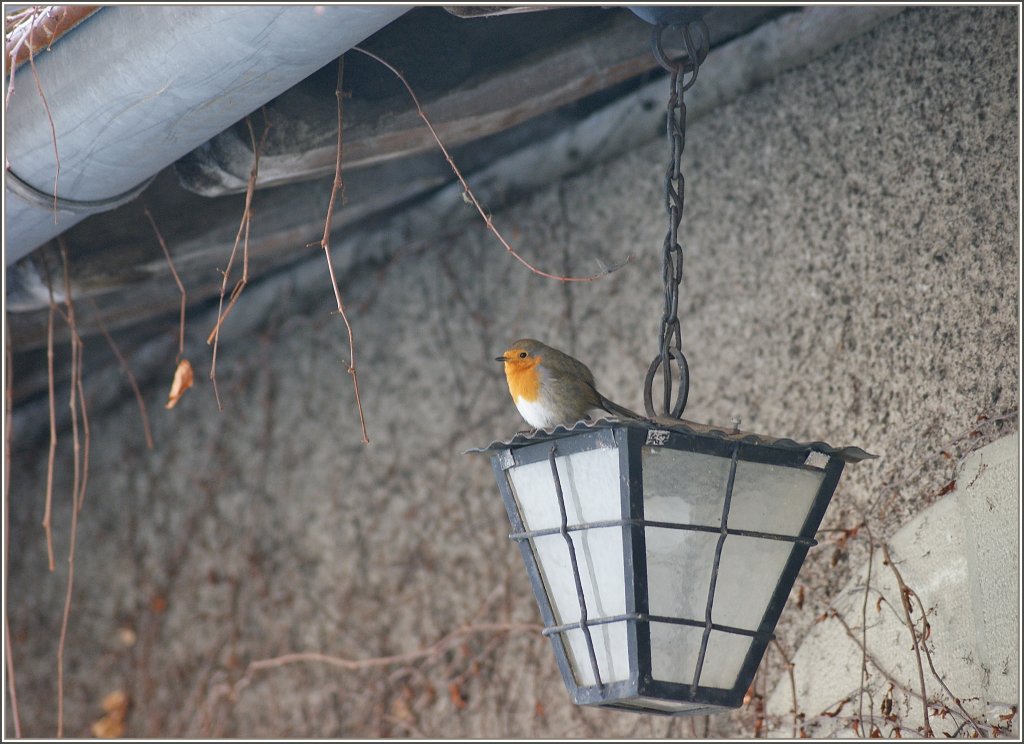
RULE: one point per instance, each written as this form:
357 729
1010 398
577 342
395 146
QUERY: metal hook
695 52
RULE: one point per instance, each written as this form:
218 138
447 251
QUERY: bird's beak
500 359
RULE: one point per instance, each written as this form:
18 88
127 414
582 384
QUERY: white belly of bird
536 414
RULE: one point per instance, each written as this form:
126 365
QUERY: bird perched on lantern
551 388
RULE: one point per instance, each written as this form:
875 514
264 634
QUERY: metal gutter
134 88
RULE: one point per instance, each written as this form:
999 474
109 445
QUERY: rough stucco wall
851 274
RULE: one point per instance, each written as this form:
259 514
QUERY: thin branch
177 280
325 243
864 622
241 236
433 649
37 27
127 371
877 664
792 683
488 221
48 510
28 17
12 688
85 423
905 601
80 476
53 129
935 673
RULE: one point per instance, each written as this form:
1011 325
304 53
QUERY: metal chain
670 336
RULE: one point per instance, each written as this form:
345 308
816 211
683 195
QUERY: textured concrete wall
851 275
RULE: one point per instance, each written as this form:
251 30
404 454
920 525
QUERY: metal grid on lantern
590 509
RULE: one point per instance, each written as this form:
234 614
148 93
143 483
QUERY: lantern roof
846 454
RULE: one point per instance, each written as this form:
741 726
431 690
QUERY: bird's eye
522 355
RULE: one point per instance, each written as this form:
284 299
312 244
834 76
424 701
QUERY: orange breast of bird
523 378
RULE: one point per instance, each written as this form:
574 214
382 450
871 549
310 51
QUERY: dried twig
80 477
28 18
792 683
53 129
36 27
834 614
935 673
905 601
339 662
127 371
12 689
241 236
864 622
48 510
325 243
488 221
177 280
942 453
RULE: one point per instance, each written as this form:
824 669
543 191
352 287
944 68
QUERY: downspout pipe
134 88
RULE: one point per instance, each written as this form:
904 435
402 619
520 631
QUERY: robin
551 388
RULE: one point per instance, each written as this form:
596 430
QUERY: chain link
670 335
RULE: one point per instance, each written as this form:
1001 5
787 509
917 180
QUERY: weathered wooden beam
495 99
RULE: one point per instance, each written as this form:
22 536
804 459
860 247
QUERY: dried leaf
182 381
1009 716
126 636
947 488
838 710
538 709
800 597
115 702
111 725
876 733
400 709
750 694
455 693
108 727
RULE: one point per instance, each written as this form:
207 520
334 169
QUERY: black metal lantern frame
668 658
662 552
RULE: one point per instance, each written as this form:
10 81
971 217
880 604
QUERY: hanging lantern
662 555
662 552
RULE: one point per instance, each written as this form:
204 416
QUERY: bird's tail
613 407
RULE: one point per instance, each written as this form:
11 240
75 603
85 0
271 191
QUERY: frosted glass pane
675 648
747 576
684 487
599 557
772 498
590 487
679 571
609 647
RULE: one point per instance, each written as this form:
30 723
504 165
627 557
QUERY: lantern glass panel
748 576
684 487
675 649
772 498
679 571
610 648
590 490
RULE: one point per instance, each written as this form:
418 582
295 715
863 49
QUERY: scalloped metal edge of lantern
846 454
